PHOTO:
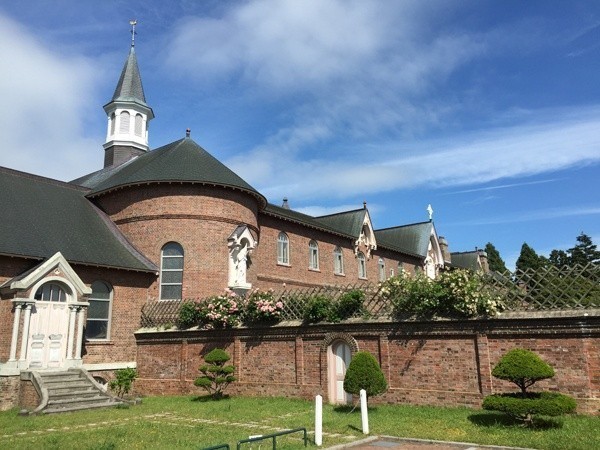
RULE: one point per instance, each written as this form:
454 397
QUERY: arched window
381 266
124 125
283 249
51 292
113 121
99 311
313 255
171 271
362 265
138 124
338 261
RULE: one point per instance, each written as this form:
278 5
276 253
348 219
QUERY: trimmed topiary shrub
533 404
216 376
364 373
523 368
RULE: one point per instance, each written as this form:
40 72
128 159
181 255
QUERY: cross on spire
133 23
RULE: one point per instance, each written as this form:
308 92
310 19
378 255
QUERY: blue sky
490 111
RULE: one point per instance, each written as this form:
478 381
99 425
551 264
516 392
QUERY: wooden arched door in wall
339 356
48 329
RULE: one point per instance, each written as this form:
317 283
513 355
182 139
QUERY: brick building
78 260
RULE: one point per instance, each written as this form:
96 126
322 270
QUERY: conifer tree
495 262
529 259
584 252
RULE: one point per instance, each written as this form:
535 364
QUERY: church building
79 259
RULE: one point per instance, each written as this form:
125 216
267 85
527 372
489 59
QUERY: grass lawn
190 422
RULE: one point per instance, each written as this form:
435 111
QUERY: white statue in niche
240 243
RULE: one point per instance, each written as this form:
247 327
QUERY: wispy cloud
496 154
502 186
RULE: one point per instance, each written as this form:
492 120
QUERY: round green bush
350 303
364 373
318 308
188 315
538 403
522 367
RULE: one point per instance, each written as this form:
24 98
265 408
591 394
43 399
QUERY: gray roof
465 260
47 216
412 239
303 219
129 88
180 161
347 222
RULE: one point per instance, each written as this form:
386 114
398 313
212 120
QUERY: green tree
559 258
216 376
364 373
584 252
495 262
529 259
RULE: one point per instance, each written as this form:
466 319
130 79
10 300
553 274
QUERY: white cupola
128 114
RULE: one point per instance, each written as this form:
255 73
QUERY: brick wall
445 363
199 218
267 273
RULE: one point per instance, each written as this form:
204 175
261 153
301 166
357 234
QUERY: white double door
340 359
48 335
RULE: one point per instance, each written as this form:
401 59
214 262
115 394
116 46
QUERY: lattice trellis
548 288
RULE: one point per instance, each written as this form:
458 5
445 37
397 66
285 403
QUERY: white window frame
283 249
313 255
338 261
381 267
362 265
108 300
52 291
163 257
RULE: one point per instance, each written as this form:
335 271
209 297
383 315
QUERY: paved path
394 443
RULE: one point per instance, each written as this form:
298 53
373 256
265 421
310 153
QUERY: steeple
128 113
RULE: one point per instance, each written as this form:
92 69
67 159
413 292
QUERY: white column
364 414
79 338
25 336
15 333
71 338
319 420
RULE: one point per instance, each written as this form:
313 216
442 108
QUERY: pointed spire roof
129 88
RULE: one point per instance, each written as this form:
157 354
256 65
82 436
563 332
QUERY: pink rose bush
261 306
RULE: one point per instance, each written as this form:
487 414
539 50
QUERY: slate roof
298 217
47 216
180 161
465 260
348 222
129 88
412 239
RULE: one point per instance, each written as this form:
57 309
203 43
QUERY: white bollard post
364 415
319 420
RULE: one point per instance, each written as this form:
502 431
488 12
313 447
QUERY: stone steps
72 390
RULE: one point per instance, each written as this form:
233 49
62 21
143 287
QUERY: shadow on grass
350 408
209 398
503 420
